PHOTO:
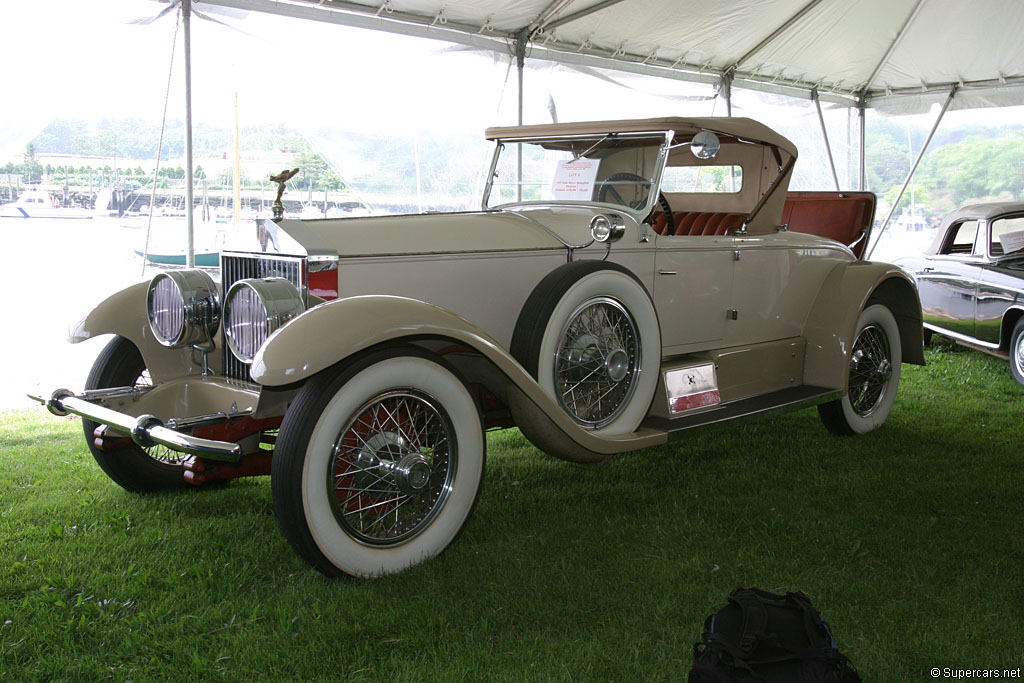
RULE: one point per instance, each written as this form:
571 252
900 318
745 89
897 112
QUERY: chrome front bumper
145 430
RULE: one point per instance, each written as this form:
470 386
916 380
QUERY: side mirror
705 145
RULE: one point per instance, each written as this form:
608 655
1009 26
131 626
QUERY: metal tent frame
575 32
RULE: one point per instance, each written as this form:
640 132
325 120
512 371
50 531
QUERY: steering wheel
607 187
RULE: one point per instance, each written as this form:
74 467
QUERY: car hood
440 233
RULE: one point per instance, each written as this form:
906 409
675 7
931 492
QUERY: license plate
692 388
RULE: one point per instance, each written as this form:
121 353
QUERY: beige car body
772 310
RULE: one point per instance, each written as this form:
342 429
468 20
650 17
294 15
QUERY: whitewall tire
875 361
1017 352
589 334
379 464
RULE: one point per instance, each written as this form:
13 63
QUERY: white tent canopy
899 56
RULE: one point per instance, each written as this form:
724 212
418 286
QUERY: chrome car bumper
145 430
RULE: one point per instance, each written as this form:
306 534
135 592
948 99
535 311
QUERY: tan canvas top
743 128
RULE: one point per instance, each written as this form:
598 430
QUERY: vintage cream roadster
623 282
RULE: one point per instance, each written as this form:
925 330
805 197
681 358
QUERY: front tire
1017 352
875 362
379 463
120 364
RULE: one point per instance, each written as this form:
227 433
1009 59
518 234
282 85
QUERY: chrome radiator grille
235 267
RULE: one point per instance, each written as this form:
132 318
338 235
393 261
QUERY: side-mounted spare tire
589 335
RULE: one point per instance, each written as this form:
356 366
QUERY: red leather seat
690 223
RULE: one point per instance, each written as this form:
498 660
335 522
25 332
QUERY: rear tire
875 362
157 468
1017 352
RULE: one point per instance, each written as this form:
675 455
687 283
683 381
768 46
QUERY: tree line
126 140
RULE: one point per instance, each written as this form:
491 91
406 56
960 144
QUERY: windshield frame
663 137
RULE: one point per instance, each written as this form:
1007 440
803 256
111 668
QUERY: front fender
333 331
124 313
832 322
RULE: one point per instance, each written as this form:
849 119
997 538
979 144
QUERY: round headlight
253 309
183 308
606 227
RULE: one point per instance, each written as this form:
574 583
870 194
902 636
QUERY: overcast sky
85 60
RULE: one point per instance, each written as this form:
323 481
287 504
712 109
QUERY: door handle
667 272
927 270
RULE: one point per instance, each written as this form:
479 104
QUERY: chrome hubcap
616 365
597 362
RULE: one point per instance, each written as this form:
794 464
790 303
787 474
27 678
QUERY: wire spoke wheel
597 362
159 452
589 334
874 375
378 463
120 364
870 370
392 468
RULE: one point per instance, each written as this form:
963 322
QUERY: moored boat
203 259
36 203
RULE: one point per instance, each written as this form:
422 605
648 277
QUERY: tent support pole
824 135
913 169
522 39
862 181
726 90
186 12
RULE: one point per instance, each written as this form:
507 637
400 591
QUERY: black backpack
761 637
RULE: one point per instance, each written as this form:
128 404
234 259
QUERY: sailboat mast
186 12
237 176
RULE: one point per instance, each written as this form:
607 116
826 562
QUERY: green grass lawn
909 540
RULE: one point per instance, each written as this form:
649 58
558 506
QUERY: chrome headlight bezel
254 309
607 227
183 308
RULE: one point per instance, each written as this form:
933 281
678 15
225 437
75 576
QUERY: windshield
612 168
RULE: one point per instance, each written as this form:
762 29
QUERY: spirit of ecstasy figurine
281 178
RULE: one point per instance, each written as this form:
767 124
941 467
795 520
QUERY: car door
948 283
692 289
998 288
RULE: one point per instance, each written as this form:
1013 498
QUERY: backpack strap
755 617
813 623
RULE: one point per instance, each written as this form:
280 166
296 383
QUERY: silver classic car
623 282
971 281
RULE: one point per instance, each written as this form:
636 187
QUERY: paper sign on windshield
1012 241
574 179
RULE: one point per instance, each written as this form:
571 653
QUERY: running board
766 405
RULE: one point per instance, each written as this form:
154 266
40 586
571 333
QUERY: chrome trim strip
959 337
146 430
949 277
